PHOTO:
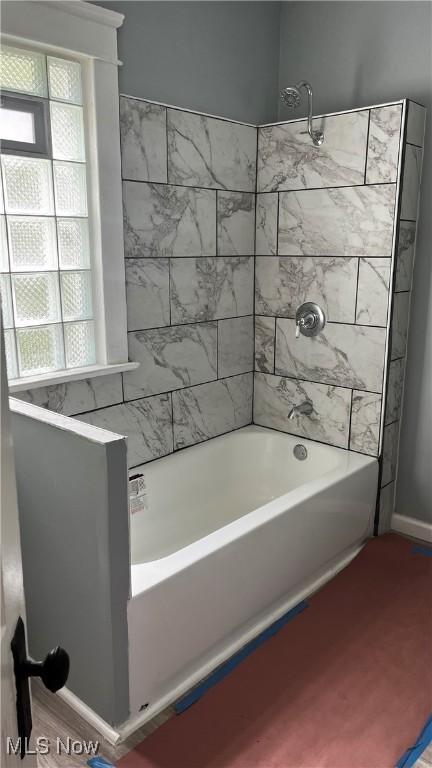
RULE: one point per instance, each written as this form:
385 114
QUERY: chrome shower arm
292 97
304 84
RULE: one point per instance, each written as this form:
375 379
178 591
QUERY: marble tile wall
189 232
324 233
201 197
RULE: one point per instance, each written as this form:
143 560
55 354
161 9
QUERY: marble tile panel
212 409
416 124
170 358
163 220
235 346
266 224
390 452
265 328
211 288
351 221
344 355
235 223
282 283
143 140
399 325
209 152
287 159
383 144
72 397
146 423
396 373
405 255
147 293
411 182
372 292
365 422
274 396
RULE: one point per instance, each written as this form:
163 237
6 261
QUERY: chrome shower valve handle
310 319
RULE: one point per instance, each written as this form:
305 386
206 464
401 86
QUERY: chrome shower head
291 96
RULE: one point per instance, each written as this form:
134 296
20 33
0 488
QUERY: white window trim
89 33
72 374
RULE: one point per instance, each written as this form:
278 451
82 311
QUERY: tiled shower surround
334 224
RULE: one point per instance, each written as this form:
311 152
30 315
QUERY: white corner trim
418 529
74 374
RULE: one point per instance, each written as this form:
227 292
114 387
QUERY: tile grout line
367 147
350 419
251 191
254 280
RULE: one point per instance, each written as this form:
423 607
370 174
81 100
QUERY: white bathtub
237 531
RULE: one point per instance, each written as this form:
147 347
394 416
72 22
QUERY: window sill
61 377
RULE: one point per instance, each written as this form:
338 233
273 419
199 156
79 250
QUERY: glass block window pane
64 78
36 298
5 290
40 349
67 130
70 189
10 350
73 243
4 261
32 243
76 295
27 185
45 253
80 344
23 71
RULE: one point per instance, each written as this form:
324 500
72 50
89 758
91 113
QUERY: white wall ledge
65 423
74 374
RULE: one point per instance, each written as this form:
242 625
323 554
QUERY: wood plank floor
53 718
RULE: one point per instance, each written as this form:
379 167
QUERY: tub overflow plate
300 452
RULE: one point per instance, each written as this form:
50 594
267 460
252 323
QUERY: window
57 40
45 261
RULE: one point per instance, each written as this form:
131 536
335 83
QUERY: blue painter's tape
99 762
238 657
413 753
418 550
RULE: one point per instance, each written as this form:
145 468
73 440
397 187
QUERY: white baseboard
412 527
110 734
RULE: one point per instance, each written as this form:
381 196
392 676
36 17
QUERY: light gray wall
355 54
72 499
216 57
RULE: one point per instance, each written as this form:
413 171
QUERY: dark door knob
53 670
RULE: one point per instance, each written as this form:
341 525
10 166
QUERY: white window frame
88 33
